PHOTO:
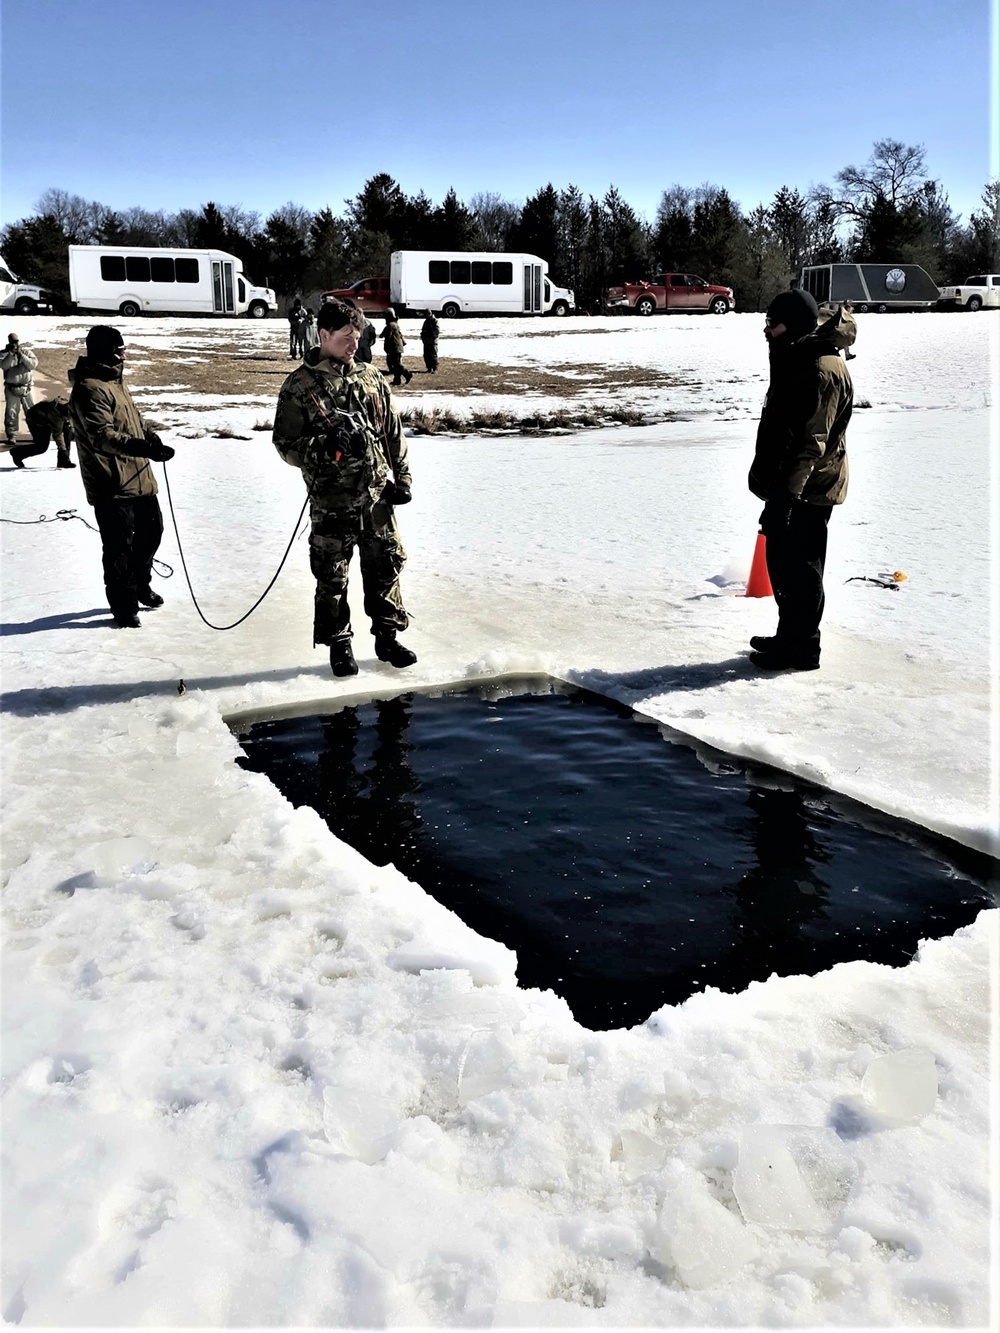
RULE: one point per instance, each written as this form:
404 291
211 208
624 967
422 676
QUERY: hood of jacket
836 330
87 369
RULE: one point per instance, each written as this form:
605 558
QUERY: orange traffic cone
758 584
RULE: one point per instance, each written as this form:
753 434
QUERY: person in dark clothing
115 448
296 330
800 468
47 420
366 343
394 342
429 331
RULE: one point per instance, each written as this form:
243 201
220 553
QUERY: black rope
187 576
65 515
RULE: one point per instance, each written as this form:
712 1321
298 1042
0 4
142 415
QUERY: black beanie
796 310
102 343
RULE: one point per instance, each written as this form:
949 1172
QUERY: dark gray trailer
872 286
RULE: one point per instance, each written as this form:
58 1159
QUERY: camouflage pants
332 542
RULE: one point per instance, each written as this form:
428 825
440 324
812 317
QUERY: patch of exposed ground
221 365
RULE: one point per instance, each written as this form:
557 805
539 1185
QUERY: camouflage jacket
337 423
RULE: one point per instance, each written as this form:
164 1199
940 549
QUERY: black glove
156 449
396 493
341 439
776 513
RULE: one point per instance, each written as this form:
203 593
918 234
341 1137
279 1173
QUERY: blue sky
170 103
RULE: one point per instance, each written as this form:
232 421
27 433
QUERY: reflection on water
625 871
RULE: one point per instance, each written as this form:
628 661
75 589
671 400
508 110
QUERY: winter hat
796 310
102 343
335 314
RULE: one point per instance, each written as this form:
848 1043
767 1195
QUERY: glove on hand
344 440
156 449
776 513
396 493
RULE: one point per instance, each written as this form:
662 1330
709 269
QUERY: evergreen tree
672 230
537 231
326 266
37 251
286 247
759 263
626 240
571 232
788 220
380 206
454 227
717 227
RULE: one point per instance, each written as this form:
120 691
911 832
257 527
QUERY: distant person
296 322
310 337
335 420
800 468
48 420
19 365
367 342
115 448
394 342
429 331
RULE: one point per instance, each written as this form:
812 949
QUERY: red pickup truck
370 295
672 291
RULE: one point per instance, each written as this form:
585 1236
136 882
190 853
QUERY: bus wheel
129 309
257 310
560 308
450 310
26 306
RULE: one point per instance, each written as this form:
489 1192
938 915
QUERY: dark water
626 871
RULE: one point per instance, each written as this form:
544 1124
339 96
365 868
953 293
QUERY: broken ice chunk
700 1237
768 1185
360 1123
638 1153
902 1085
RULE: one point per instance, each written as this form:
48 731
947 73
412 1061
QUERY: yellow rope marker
899 576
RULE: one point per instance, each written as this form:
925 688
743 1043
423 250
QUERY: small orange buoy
899 576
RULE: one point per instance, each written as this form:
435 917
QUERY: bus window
112 268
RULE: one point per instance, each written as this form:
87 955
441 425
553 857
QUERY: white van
464 282
24 298
136 280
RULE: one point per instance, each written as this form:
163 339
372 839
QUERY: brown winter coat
801 449
109 433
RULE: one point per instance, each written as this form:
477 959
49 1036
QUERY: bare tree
495 218
895 172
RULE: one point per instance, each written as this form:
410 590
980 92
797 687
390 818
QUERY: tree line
888 209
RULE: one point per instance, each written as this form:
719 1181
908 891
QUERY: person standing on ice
114 447
335 420
800 468
429 331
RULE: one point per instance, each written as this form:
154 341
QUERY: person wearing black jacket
115 447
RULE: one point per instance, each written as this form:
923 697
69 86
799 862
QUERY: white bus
474 282
135 280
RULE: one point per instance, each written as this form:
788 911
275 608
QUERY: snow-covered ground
251 1079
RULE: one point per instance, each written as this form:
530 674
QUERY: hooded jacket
801 449
108 429
337 423
18 365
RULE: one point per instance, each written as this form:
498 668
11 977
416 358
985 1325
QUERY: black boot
389 649
763 643
126 621
64 460
147 597
342 661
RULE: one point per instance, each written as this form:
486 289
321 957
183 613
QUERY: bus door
222 287
532 289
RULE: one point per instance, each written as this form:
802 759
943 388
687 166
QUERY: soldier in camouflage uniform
335 421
